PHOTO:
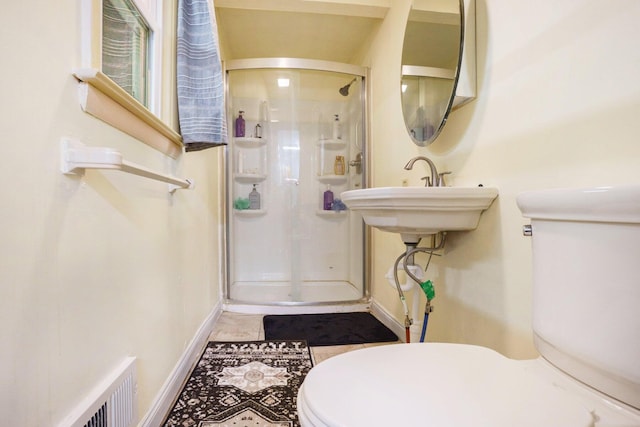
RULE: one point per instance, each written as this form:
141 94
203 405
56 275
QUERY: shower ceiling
333 30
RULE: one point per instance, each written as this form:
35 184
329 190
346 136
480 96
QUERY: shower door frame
296 64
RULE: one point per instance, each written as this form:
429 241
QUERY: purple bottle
328 199
240 125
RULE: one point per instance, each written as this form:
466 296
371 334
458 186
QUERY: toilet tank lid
619 204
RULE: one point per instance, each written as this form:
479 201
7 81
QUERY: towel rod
76 157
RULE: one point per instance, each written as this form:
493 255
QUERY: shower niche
332 174
250 162
295 248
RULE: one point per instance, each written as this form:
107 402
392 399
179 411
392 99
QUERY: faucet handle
441 175
427 181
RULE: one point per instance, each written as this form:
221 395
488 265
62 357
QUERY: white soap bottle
337 127
254 198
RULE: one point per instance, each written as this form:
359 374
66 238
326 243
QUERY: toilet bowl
585 323
433 384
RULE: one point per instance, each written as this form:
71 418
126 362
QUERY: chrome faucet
434 181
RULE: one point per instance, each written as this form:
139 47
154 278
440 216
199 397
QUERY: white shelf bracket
76 158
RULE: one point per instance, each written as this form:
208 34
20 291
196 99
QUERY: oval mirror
431 57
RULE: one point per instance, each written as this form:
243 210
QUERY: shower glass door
295 246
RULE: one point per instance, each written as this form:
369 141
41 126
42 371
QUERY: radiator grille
99 419
111 404
122 404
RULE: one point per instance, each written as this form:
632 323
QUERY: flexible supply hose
427 309
407 318
427 287
424 327
413 251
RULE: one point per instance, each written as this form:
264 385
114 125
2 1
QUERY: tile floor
248 327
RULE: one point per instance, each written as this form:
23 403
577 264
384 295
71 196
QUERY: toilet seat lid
434 385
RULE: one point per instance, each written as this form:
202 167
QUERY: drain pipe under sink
415 275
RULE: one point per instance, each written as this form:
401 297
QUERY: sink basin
416 212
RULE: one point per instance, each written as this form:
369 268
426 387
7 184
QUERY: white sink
416 212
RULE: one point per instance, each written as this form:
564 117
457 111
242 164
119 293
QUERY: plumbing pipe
424 326
410 285
427 286
407 319
408 254
413 251
427 309
416 271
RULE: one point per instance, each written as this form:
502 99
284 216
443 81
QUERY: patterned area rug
243 384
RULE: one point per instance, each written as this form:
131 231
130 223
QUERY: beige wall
558 106
95 269
99 268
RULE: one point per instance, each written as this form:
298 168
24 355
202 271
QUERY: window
125 46
122 65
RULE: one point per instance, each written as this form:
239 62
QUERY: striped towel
201 107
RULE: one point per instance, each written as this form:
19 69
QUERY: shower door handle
357 163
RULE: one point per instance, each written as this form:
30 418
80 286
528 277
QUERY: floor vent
99 419
111 404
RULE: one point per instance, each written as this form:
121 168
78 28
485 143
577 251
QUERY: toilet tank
586 284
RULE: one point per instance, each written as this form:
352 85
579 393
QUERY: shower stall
301 141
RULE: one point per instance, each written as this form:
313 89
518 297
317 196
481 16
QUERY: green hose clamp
428 289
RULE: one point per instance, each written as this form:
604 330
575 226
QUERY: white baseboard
173 385
383 316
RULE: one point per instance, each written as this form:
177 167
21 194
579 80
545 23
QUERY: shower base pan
284 292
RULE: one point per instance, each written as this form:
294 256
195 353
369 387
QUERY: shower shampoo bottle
327 202
339 165
337 127
254 199
240 125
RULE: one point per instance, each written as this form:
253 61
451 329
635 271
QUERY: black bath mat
327 329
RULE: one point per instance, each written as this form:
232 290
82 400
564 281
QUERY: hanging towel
201 108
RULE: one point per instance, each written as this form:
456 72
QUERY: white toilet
586 320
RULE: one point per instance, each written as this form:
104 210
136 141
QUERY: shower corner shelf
249 178
249 142
332 144
332 179
331 213
250 212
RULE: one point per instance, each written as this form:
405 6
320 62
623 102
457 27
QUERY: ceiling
332 30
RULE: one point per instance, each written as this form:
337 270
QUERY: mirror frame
437 130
